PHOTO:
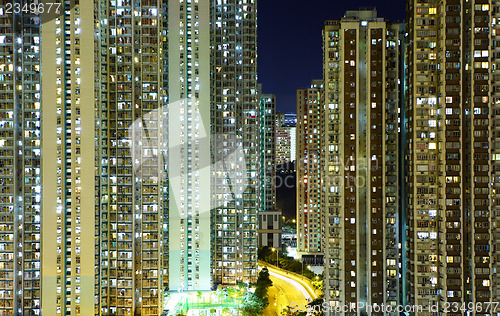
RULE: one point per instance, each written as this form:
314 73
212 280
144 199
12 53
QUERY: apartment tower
189 146
267 114
269 217
452 192
235 141
104 159
308 153
70 151
20 175
360 161
134 198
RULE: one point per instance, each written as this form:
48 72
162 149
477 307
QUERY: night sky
290 52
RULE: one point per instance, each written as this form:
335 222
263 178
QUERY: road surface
271 310
285 292
302 284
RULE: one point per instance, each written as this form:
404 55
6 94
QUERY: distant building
309 214
360 163
270 225
285 138
290 119
289 239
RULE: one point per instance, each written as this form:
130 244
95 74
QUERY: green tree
288 312
317 284
252 305
242 285
264 254
263 284
287 263
316 306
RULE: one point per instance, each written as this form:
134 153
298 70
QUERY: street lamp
274 249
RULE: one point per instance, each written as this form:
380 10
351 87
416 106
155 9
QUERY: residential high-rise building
20 175
269 217
267 114
360 160
105 159
452 192
309 102
142 194
236 148
72 102
189 142
286 136
494 97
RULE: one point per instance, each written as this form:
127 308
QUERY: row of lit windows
26 203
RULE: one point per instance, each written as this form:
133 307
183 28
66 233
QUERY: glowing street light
274 249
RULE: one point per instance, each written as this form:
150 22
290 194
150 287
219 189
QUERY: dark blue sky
290 52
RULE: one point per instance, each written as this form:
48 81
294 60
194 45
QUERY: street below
286 291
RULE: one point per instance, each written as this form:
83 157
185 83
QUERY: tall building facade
189 143
269 218
267 131
360 160
494 97
20 174
105 111
309 102
236 148
137 135
452 153
70 150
